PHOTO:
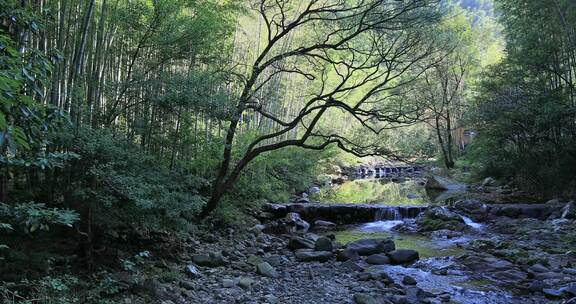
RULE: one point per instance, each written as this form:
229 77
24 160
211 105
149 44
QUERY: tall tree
358 52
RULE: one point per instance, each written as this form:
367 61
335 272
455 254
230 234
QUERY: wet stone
378 259
408 280
403 256
323 244
227 283
361 298
371 246
267 270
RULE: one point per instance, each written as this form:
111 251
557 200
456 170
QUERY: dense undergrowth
111 194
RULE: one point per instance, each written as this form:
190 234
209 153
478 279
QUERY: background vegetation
114 116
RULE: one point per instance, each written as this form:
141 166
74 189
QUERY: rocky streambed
440 256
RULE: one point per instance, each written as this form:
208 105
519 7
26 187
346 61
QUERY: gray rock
267 270
246 283
569 289
257 229
378 259
472 207
352 266
380 272
297 242
364 276
371 246
303 199
186 285
323 244
254 260
192 271
439 218
538 268
294 224
441 213
270 299
314 190
403 256
227 283
571 271
478 263
408 280
304 255
324 224
275 260
212 259
417 295
361 298
537 286
510 275
552 293
347 254
443 183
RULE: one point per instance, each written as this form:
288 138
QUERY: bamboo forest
287 151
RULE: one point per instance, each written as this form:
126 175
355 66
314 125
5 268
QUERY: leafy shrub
126 187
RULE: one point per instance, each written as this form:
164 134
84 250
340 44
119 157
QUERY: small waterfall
468 221
388 214
397 213
386 218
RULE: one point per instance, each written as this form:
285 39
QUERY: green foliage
128 188
25 71
526 135
28 220
276 175
30 217
524 108
49 290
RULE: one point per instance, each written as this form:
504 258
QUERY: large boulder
371 246
292 223
347 254
378 259
439 218
442 183
476 209
323 225
300 242
307 255
295 224
323 244
403 256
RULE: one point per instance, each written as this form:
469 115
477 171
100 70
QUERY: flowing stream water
435 252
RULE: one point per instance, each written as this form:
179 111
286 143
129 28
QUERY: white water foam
468 221
379 226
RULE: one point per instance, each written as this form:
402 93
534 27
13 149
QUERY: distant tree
526 106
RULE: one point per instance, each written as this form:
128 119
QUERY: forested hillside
134 132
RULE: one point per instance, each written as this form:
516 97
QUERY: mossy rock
429 224
514 255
